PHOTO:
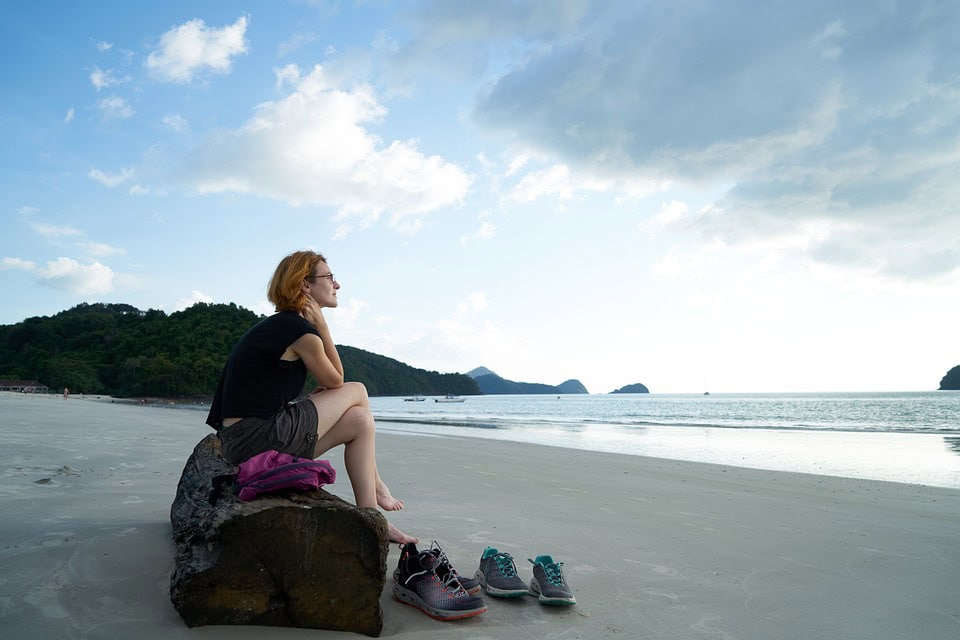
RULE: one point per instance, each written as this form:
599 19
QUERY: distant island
632 388
951 381
491 383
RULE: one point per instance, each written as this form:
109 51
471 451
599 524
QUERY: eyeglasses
328 276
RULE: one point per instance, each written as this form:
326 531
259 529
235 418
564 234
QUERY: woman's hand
313 314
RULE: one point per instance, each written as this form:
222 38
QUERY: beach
653 548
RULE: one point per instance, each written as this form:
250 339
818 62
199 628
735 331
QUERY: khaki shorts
293 431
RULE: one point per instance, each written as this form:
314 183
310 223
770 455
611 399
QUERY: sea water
901 437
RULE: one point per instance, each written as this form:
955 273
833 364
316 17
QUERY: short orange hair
284 290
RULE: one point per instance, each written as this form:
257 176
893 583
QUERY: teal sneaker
498 575
548 583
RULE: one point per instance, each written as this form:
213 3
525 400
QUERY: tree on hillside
116 349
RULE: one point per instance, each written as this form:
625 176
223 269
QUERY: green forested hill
117 349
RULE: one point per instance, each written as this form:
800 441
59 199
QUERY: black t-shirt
255 382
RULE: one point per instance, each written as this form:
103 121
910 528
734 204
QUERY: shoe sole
410 598
548 600
499 593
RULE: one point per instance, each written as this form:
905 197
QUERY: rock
951 381
295 559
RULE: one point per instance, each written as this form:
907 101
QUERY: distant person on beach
253 409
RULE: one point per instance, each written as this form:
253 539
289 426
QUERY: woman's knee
360 420
358 390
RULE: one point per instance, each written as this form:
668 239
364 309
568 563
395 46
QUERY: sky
737 196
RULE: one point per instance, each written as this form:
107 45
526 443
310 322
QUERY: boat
414 399
449 398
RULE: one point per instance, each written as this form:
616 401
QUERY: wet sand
652 548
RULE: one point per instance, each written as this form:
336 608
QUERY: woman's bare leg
344 418
384 498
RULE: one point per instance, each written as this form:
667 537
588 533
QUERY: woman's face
322 286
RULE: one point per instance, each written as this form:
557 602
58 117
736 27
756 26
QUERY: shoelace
553 572
451 581
445 571
505 565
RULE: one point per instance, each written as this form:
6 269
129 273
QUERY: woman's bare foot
398 536
385 499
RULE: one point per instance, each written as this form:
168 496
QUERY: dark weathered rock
299 559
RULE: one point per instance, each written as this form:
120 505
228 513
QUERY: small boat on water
449 398
414 399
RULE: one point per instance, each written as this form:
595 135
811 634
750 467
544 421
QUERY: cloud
17 263
562 182
463 39
54 231
193 48
69 116
312 147
101 250
110 179
486 231
66 274
114 108
554 181
101 79
104 46
188 301
177 123
475 302
814 112
348 312
294 42
140 190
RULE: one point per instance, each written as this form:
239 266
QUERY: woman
253 409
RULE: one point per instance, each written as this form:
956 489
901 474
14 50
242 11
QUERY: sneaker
548 583
498 575
425 582
470 585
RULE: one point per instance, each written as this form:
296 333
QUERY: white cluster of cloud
192 299
816 112
54 231
312 147
110 179
193 48
101 79
114 108
66 274
176 122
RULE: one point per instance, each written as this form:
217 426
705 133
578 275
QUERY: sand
652 548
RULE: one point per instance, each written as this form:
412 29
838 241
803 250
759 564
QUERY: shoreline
919 457
653 548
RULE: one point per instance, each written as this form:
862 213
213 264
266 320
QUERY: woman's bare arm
319 354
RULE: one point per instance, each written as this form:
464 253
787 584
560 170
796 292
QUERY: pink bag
272 471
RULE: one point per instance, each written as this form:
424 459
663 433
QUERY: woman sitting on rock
253 409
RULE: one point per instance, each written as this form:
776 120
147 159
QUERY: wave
532 422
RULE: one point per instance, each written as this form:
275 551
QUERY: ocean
901 437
